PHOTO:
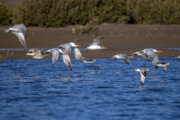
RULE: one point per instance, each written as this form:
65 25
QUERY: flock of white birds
64 50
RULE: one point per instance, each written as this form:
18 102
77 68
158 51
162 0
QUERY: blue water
173 48
104 90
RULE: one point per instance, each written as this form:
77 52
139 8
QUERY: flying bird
178 57
20 31
149 54
123 57
141 54
151 49
72 48
56 53
143 72
164 65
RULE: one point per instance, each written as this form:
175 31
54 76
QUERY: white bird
141 54
36 54
72 48
143 72
164 65
67 60
123 57
151 49
149 54
95 45
155 60
20 31
178 57
56 52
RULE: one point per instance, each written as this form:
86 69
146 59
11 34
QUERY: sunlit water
104 90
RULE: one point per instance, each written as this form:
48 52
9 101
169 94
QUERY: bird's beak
78 45
104 47
66 52
131 56
160 51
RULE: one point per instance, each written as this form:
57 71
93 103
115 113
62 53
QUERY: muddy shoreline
116 37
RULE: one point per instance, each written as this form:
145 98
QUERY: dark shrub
5 15
72 12
154 11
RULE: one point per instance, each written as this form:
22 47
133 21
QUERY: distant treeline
47 13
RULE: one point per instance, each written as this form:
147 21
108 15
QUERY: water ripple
33 89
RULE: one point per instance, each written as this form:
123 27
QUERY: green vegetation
56 13
5 15
155 11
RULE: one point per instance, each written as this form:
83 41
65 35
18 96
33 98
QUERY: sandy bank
117 38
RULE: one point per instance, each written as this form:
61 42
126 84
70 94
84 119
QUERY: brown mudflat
117 38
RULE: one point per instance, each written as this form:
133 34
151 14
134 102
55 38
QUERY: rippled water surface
104 90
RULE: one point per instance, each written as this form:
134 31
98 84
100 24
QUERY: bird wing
125 60
17 28
24 32
96 41
55 55
6 30
137 53
67 60
66 46
178 57
166 65
21 38
77 54
155 61
165 68
144 55
115 57
20 27
150 55
143 75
